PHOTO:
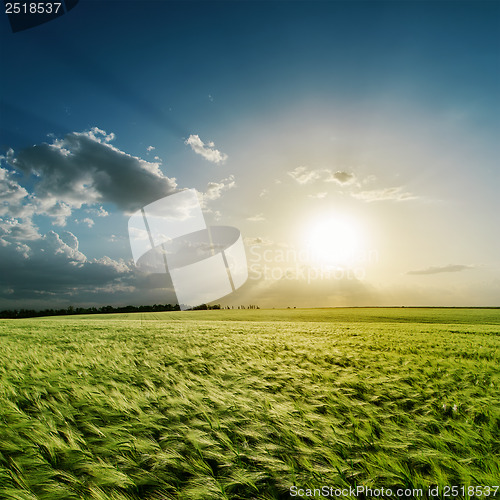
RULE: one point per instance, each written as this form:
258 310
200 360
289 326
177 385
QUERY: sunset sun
334 240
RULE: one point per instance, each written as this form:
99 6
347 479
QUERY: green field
248 403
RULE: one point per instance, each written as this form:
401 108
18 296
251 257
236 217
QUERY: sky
355 145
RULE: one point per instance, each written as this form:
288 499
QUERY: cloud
343 177
206 150
98 212
318 195
59 211
12 194
451 268
74 178
257 218
88 221
53 264
304 175
18 229
260 241
392 194
84 169
215 189
52 272
150 148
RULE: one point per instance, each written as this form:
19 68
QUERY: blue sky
381 115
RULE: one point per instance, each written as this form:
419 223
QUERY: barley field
246 404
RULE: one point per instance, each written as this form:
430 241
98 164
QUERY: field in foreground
245 404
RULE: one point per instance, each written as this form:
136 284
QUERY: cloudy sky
353 144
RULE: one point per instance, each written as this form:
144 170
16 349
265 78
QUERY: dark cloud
84 168
343 177
452 268
54 264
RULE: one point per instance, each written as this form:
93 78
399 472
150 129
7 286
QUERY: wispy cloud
256 218
451 268
259 240
215 189
318 196
88 221
393 194
98 212
305 175
207 150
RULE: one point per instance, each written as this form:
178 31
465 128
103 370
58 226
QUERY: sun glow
334 241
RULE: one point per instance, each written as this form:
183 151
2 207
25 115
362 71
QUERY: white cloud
98 212
319 196
215 189
451 268
12 195
207 150
257 218
23 249
18 229
59 212
386 194
150 148
304 176
90 222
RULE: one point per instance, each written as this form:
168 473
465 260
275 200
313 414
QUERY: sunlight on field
246 404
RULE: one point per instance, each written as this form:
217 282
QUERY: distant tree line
31 313
204 307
